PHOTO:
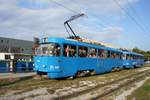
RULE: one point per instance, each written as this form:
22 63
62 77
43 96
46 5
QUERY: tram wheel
93 73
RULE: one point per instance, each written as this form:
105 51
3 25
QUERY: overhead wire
102 24
76 12
59 4
130 16
140 26
137 15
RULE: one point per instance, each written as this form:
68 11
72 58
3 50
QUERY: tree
145 53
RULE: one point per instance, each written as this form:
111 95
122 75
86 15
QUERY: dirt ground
48 88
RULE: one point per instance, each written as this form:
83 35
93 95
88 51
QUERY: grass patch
142 93
146 65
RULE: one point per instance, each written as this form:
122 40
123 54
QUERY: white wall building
6 56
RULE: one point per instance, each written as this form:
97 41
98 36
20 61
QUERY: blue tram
132 59
60 57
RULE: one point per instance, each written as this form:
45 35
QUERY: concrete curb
12 80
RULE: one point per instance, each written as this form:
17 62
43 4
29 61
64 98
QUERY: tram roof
133 53
75 42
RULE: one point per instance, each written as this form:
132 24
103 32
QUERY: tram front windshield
51 49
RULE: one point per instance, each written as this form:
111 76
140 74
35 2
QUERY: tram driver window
69 50
51 49
82 52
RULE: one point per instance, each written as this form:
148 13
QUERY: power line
102 24
59 4
138 16
141 27
131 17
69 9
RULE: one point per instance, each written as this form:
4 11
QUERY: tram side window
118 55
142 57
38 51
138 57
108 54
135 57
131 56
92 53
100 53
69 50
82 52
124 57
45 50
54 50
121 56
113 54
127 56
57 50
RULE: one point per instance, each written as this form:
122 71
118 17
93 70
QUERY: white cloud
25 22
107 33
113 29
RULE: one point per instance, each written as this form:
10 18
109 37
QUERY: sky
124 23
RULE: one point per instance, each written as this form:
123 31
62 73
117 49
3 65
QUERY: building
15 55
9 45
6 56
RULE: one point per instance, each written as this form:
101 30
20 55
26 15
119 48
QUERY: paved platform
16 75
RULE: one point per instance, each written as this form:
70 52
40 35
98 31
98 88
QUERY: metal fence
18 66
4 66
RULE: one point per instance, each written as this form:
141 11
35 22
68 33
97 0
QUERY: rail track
100 91
121 83
71 89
